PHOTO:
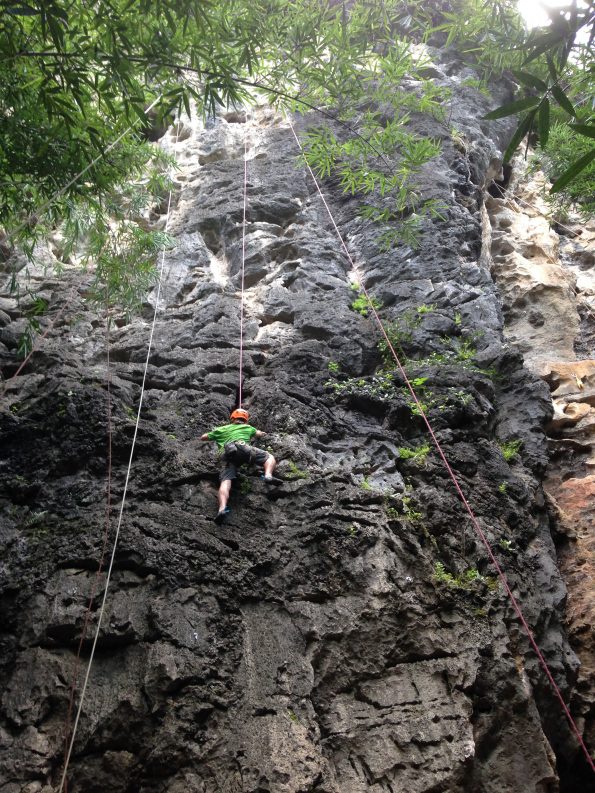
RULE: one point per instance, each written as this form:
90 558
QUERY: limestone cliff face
546 280
306 645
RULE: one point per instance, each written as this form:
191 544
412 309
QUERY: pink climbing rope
453 477
241 366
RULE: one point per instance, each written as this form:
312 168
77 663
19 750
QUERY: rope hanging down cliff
105 539
121 511
42 208
241 365
452 474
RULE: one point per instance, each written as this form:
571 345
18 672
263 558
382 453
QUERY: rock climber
232 440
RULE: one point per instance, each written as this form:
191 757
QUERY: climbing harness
451 473
238 452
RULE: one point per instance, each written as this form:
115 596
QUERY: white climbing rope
120 515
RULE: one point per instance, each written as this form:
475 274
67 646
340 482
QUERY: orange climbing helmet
240 413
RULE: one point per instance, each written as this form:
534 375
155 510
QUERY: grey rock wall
547 282
306 645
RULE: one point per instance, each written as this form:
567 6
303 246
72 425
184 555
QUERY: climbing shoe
267 479
220 516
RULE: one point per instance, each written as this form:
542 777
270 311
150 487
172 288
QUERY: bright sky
533 11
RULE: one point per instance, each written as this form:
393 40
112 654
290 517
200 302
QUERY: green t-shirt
232 432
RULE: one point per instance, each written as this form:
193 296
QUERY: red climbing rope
243 262
453 477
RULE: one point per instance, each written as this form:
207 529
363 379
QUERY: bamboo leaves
544 121
574 170
558 89
513 108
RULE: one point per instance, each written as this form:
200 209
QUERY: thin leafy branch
557 86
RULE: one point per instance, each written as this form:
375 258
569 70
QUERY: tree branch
206 73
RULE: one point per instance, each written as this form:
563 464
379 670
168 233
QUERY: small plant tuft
362 304
426 309
380 386
295 472
245 486
510 449
409 513
464 580
417 454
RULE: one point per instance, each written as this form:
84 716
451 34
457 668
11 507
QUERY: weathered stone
567 414
553 306
309 644
570 377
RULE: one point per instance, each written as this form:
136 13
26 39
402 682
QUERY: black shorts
230 469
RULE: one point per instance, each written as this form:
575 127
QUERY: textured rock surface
551 299
538 291
306 645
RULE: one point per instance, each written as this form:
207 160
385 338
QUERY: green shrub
400 333
380 386
564 147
